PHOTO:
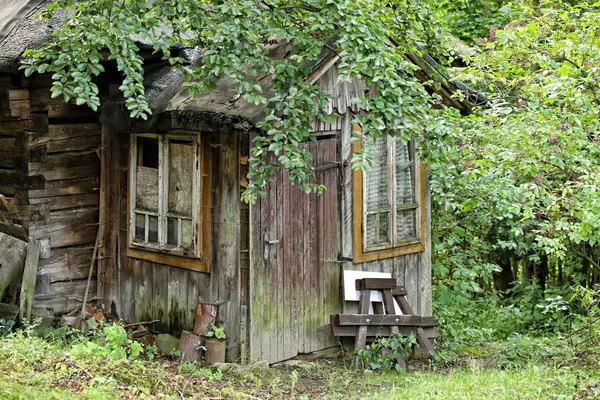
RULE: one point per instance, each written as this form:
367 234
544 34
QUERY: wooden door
295 278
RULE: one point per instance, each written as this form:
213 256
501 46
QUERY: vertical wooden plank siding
302 273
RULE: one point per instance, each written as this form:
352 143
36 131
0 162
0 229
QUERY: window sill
373 255
195 264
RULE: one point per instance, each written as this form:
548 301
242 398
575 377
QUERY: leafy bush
6 326
383 352
111 342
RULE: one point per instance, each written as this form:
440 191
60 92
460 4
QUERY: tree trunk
504 278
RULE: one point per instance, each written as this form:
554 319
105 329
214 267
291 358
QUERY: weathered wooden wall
412 270
140 290
295 289
52 175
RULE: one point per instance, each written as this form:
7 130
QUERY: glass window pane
146 193
405 185
187 234
153 229
370 231
181 175
172 231
383 228
376 179
140 227
407 224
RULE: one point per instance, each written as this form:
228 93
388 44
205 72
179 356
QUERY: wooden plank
89 143
372 331
228 242
65 264
160 287
412 280
70 111
64 297
61 220
378 319
286 264
67 187
68 202
332 249
257 291
29 275
109 214
142 290
376 283
61 132
12 261
279 268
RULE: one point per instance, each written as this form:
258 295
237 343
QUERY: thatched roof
19 30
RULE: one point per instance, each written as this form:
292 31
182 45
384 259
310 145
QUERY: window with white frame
389 203
164 193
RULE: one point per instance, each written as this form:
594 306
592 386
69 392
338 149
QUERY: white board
351 294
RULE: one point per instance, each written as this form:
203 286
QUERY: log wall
49 169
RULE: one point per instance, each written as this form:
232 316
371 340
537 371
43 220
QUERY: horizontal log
58 132
11 178
65 296
389 320
60 221
376 283
73 236
18 94
68 263
63 172
67 187
7 143
74 144
64 202
69 111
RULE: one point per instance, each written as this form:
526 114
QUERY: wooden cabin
162 200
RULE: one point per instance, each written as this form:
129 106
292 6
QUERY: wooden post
29 275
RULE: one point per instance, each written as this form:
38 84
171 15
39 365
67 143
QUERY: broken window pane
181 176
146 192
405 185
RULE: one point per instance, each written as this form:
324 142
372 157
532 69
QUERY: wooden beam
390 320
376 283
29 275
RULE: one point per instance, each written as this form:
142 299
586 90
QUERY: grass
34 368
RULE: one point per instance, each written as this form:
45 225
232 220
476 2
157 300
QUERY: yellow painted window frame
360 255
201 262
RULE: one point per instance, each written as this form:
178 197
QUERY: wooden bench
384 320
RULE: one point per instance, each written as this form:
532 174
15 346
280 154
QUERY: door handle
266 245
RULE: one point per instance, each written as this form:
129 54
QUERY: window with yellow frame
389 203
